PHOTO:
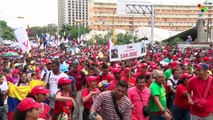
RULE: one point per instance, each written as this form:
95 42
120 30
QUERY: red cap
174 58
174 65
116 70
144 65
37 69
117 65
127 69
27 104
39 90
47 61
185 75
154 67
206 59
91 78
152 63
64 80
16 71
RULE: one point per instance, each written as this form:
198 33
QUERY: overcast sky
42 12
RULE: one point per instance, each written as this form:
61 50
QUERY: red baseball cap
27 104
39 90
202 66
154 67
91 78
144 65
16 71
185 76
116 70
37 69
64 80
174 64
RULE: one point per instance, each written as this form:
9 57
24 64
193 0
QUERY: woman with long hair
39 94
181 104
63 100
27 109
23 80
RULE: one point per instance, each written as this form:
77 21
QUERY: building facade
103 16
73 12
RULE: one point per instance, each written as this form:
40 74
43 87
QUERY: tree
36 30
176 41
73 30
6 32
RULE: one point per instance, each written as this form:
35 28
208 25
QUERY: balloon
205 9
202 10
199 5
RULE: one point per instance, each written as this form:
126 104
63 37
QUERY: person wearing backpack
172 83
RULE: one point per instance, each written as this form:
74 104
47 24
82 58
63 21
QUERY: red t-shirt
89 103
112 84
60 104
181 101
140 74
45 115
109 77
79 76
131 82
197 86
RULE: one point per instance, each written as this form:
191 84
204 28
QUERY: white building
73 12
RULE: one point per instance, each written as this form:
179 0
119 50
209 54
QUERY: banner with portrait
123 52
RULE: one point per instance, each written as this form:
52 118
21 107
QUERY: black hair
105 66
122 83
139 77
148 76
25 68
20 115
55 62
174 70
19 82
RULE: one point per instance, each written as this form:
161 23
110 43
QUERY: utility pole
133 30
113 31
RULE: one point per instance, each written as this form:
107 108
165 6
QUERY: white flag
21 36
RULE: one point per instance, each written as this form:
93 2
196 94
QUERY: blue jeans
181 114
156 117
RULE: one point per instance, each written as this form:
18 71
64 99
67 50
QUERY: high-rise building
73 12
103 16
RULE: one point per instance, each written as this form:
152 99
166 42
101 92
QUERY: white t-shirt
53 82
4 87
169 83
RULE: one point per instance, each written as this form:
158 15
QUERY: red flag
109 44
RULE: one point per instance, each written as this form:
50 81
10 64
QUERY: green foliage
125 38
176 41
36 30
73 30
6 32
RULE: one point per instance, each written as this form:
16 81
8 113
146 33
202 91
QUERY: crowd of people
165 84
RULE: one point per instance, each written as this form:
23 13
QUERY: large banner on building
123 52
23 39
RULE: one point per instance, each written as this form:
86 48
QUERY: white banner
123 52
21 36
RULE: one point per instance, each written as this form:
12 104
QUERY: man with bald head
157 104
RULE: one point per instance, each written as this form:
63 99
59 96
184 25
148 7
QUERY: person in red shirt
128 77
105 75
181 104
40 94
63 100
88 95
117 77
202 106
149 80
143 70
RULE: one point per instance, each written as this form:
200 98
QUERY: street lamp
78 21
